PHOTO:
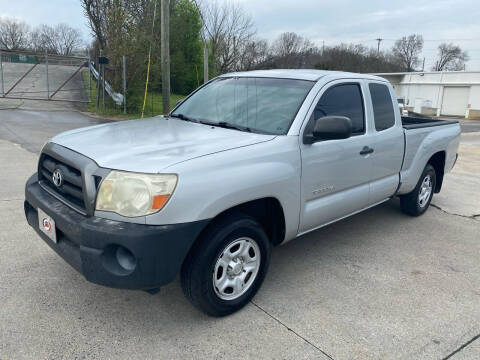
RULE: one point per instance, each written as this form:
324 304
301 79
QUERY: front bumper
112 253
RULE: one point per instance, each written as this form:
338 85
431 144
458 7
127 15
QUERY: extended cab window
343 100
382 106
265 105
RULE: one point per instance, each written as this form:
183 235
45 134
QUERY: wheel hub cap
425 191
236 268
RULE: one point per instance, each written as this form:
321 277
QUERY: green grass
153 104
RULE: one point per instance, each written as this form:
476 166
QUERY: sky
322 21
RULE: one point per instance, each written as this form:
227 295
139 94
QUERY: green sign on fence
22 58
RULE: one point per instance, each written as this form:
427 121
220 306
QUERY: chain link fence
42 76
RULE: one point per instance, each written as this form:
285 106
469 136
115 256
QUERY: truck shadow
323 247
170 317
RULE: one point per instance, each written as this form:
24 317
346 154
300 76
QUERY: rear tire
227 266
417 202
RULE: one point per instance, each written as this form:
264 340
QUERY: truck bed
416 122
425 137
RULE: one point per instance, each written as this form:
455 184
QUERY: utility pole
165 52
205 62
89 76
1 75
124 83
323 47
205 47
378 45
150 56
423 65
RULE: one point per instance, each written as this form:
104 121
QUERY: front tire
418 201
227 266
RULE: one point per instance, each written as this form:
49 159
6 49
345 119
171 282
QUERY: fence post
46 72
124 83
205 62
103 90
1 74
98 80
89 76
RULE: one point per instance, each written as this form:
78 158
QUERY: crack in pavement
462 347
10 199
472 217
293 331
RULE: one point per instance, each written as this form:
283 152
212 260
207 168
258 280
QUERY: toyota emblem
57 177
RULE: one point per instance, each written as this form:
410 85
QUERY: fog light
118 260
125 258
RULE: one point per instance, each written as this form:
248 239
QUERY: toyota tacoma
247 162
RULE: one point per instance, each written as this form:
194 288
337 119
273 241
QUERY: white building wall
425 91
474 99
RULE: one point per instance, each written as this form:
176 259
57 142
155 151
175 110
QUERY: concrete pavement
464 181
34 85
379 285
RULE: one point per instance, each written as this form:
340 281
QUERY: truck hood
151 145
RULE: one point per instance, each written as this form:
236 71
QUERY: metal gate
36 76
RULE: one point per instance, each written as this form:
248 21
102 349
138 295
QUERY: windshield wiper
184 117
226 125
222 124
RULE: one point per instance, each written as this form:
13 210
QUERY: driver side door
336 174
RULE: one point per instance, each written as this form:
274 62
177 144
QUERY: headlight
132 194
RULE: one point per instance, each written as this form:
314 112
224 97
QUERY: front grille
71 186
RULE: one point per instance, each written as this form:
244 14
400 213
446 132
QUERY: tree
96 13
450 58
290 43
291 50
254 53
13 34
228 29
185 47
43 38
407 49
125 28
60 39
68 39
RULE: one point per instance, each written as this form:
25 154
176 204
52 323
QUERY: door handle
366 150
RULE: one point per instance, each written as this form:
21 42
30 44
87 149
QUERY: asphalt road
31 129
469 126
379 285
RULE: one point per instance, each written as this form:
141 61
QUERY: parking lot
379 285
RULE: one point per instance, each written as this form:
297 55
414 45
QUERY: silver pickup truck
247 162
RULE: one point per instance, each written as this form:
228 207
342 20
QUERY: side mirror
330 128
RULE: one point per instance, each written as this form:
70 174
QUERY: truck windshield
263 105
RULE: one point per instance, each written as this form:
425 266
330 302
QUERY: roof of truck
300 74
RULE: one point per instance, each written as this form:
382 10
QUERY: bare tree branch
61 39
229 29
13 34
291 50
450 58
407 49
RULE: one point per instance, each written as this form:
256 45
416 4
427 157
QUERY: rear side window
382 106
343 100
